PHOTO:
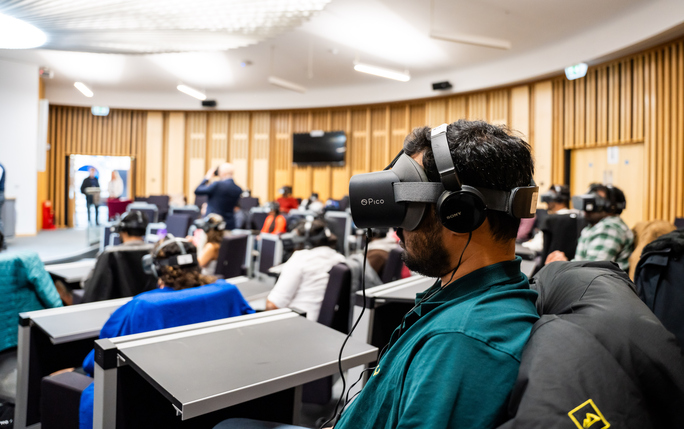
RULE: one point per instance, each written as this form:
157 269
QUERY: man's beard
428 255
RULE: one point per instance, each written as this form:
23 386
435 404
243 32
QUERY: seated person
454 358
304 277
312 204
557 200
606 237
118 271
287 201
379 247
275 223
180 299
25 286
214 227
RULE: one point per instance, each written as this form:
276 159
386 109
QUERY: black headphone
274 207
137 222
152 263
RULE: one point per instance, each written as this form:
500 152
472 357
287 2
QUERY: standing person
607 237
116 186
2 202
90 182
223 194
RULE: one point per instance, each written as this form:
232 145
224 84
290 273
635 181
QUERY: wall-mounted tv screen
319 148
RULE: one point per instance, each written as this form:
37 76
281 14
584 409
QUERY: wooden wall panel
261 129
238 154
477 107
458 108
497 107
520 111
380 141
341 121
399 128
321 177
174 142
542 123
195 152
436 112
218 124
302 176
154 142
281 147
360 141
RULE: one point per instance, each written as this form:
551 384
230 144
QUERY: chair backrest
561 232
340 224
393 266
119 273
150 210
161 201
192 211
597 349
679 222
270 252
335 308
256 218
231 256
200 200
24 286
178 224
248 203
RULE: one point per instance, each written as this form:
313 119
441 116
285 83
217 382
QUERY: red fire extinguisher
48 215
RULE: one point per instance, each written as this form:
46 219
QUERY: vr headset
399 197
593 202
210 222
292 240
558 193
152 263
138 221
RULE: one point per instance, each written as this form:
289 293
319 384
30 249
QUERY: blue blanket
160 309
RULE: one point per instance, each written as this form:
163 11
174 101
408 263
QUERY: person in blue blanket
185 296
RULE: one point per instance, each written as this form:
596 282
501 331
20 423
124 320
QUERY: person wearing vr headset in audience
116 273
304 277
286 200
456 194
275 223
214 227
173 262
606 237
557 200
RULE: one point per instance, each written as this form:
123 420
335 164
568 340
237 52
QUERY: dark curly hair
179 277
486 156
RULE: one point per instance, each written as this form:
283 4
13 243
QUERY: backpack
658 278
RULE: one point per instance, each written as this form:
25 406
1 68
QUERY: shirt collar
476 282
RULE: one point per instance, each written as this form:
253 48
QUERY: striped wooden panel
238 153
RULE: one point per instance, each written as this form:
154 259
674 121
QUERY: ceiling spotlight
383 72
84 89
286 84
17 34
192 92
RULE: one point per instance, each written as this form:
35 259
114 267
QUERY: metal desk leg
104 403
23 355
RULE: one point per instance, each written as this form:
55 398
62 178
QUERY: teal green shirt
457 359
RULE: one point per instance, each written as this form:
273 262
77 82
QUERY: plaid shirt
609 240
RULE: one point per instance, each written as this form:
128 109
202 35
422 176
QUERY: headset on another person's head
556 194
152 263
128 222
292 240
212 221
613 203
399 197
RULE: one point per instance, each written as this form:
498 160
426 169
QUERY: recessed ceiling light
192 92
383 72
17 34
84 89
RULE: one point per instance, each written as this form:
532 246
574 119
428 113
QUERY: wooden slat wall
634 100
74 130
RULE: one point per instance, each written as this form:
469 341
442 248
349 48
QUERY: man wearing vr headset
454 358
606 237
304 277
117 271
557 200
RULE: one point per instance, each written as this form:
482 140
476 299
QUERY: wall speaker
440 86
209 103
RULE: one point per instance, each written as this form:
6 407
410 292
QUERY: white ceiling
319 53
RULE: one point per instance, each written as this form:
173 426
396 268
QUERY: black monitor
319 148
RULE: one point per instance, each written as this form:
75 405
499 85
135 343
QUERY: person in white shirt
557 200
116 185
304 277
